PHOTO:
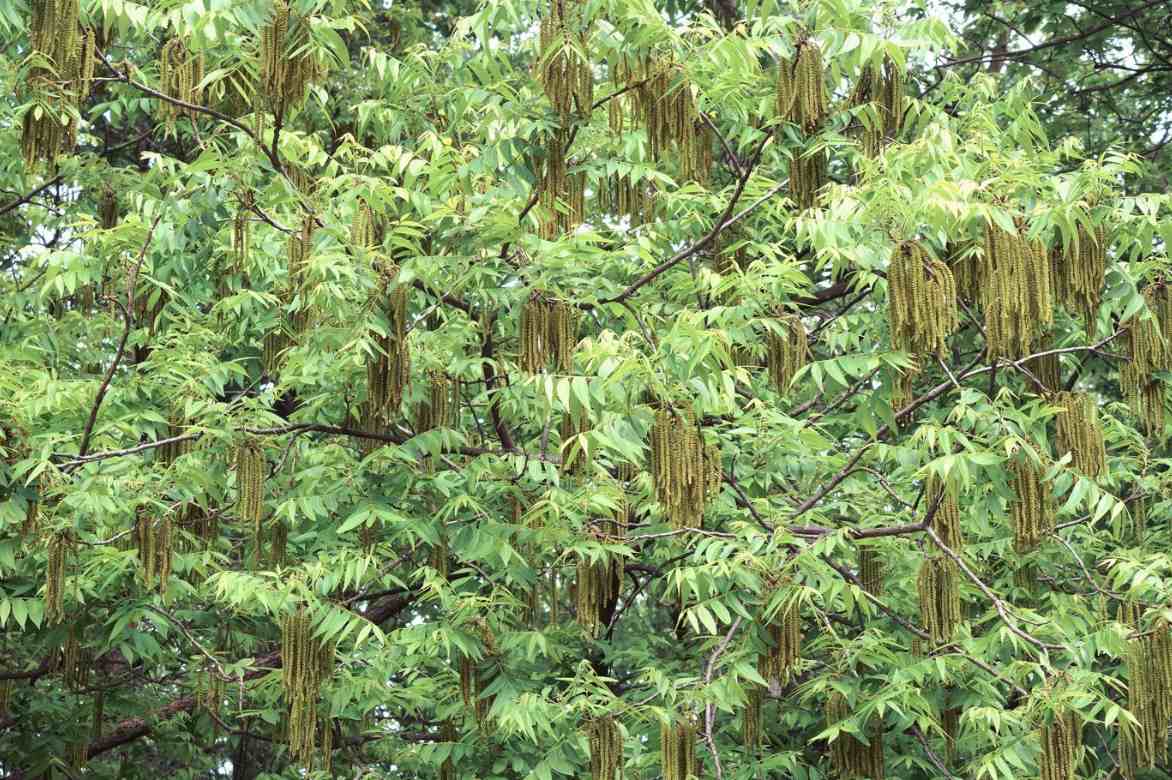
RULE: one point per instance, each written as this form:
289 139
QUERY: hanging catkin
921 301
388 370
939 592
562 194
850 757
686 471
883 90
596 588
58 551
1078 272
871 570
298 252
807 175
787 350
549 333
946 521
751 717
1150 348
155 541
250 478
75 661
672 116
801 95
606 749
180 73
1149 699
677 746
5 697
59 78
1061 747
306 662
563 67
288 65
1080 434
1032 507
440 408
472 691
1016 292
785 637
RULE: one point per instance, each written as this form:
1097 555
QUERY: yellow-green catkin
871 570
59 79
787 350
472 690
561 194
801 95
1016 293
1080 434
155 540
1032 508
677 747
686 471
58 552
388 370
1061 747
1149 339
807 175
1149 699
549 334
180 73
606 748
938 588
440 409
1078 271
288 64
306 663
251 469
108 210
921 301
75 661
564 67
672 118
596 588
298 252
751 717
785 638
850 757
883 90
946 520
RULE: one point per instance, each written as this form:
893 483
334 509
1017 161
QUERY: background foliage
206 296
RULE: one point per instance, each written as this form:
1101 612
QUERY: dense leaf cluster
540 388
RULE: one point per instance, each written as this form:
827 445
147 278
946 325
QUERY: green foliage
484 390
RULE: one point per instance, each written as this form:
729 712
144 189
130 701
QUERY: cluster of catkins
549 333
606 748
685 470
288 66
921 301
181 72
63 70
677 745
1149 699
306 662
849 755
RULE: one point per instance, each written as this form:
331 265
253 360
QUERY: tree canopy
559 388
